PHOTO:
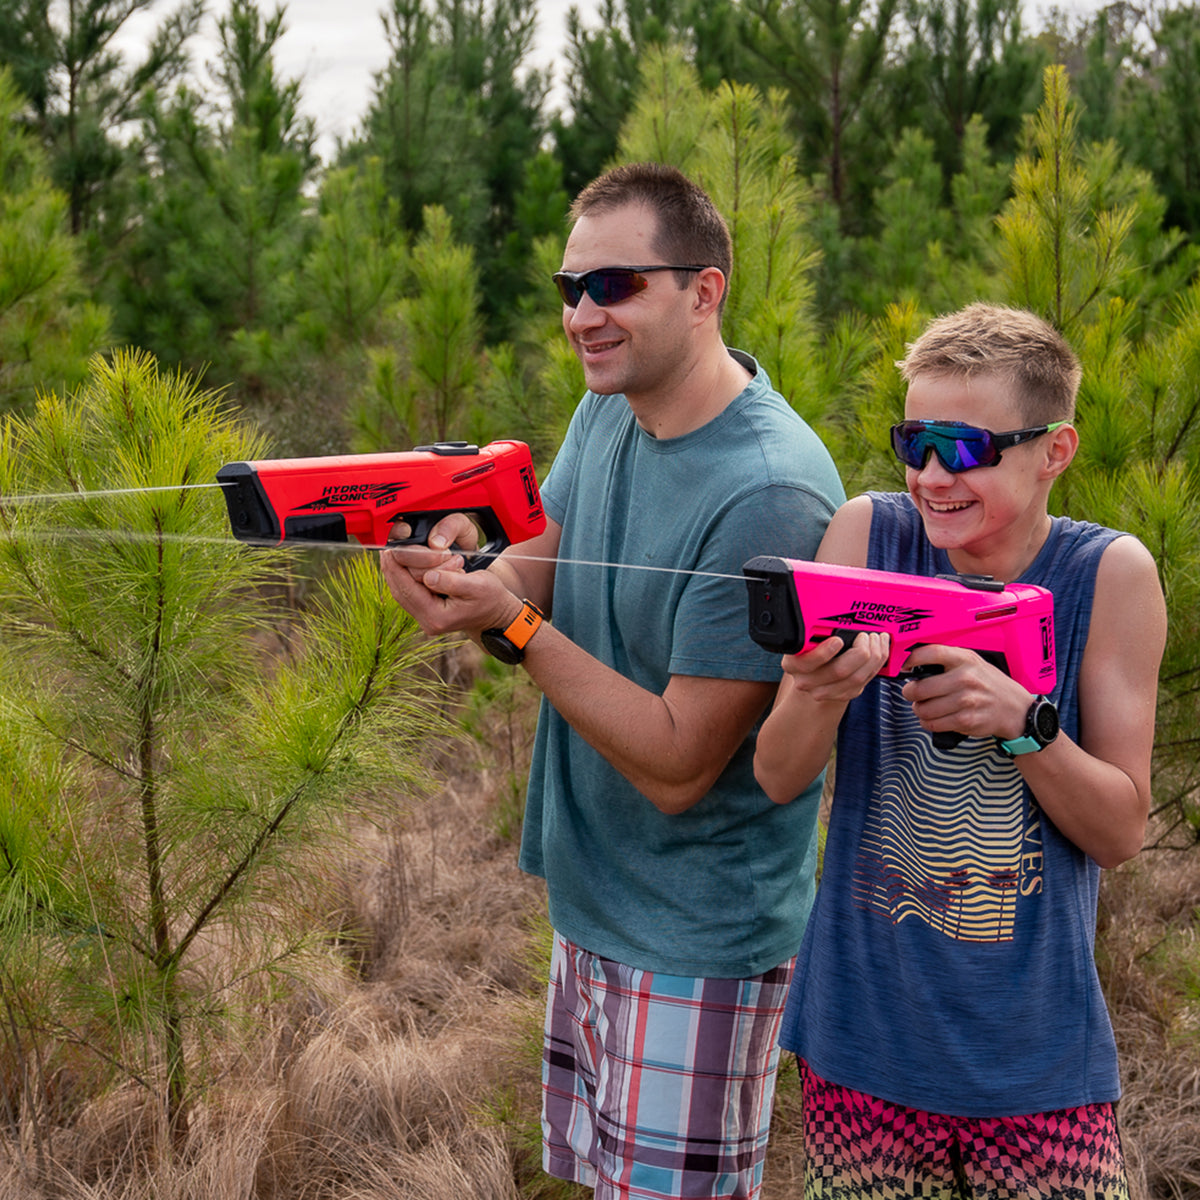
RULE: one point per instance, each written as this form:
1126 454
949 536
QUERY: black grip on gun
943 739
421 525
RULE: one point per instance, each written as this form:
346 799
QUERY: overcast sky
335 47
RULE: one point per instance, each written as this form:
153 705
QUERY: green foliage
734 143
455 118
48 328
1062 253
1137 470
424 386
969 60
914 226
82 94
606 69
828 57
215 259
168 776
1161 124
355 268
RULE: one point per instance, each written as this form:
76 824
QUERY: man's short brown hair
1009 344
689 229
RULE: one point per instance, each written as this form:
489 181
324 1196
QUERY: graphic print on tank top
946 833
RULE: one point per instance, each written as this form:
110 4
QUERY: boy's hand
968 696
833 673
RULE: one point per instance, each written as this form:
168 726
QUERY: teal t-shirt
722 890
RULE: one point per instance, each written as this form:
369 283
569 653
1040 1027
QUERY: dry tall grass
412 1073
380 1080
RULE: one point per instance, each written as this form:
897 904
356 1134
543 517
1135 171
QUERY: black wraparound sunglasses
608 285
958 446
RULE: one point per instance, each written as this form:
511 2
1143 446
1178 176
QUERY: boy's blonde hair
1010 344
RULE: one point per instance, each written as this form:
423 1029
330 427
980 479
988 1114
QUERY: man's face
637 346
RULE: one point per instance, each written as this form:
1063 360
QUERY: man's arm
671 747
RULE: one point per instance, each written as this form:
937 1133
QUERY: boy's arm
1098 792
797 738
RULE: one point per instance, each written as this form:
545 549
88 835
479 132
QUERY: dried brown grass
379 1080
412 1072
1148 948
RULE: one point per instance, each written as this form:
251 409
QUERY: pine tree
455 118
225 221
83 96
355 270
828 57
425 379
48 327
167 778
1062 252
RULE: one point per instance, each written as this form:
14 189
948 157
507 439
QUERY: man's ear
1060 447
710 289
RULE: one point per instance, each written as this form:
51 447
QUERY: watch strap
1020 745
525 624
1033 739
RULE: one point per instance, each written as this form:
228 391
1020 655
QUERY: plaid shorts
654 1086
860 1148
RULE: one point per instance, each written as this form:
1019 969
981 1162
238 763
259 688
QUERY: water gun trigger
492 538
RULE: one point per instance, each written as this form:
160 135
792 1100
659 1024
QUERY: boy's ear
1060 446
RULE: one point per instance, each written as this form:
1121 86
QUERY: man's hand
429 582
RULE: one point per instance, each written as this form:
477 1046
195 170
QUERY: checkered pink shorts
658 1086
858 1147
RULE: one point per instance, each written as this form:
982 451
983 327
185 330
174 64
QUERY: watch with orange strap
508 645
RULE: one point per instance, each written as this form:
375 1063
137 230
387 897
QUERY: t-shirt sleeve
712 627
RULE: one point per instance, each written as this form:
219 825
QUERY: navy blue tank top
948 962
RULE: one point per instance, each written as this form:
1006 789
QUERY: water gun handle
421 525
943 739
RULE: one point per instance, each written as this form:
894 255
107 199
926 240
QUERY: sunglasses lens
958 447
605 286
612 286
569 288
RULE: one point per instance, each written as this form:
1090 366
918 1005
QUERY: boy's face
989 519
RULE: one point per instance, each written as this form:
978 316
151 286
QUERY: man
953 1037
677 891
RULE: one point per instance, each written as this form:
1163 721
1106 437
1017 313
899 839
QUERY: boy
946 1011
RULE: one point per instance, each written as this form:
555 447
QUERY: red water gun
796 604
333 498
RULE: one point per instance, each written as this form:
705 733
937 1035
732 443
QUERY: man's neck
699 396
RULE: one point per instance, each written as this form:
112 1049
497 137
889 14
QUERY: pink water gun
796 604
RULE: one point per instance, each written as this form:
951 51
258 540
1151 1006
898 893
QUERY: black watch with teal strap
1041 728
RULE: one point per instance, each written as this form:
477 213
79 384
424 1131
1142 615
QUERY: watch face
1045 722
499 647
